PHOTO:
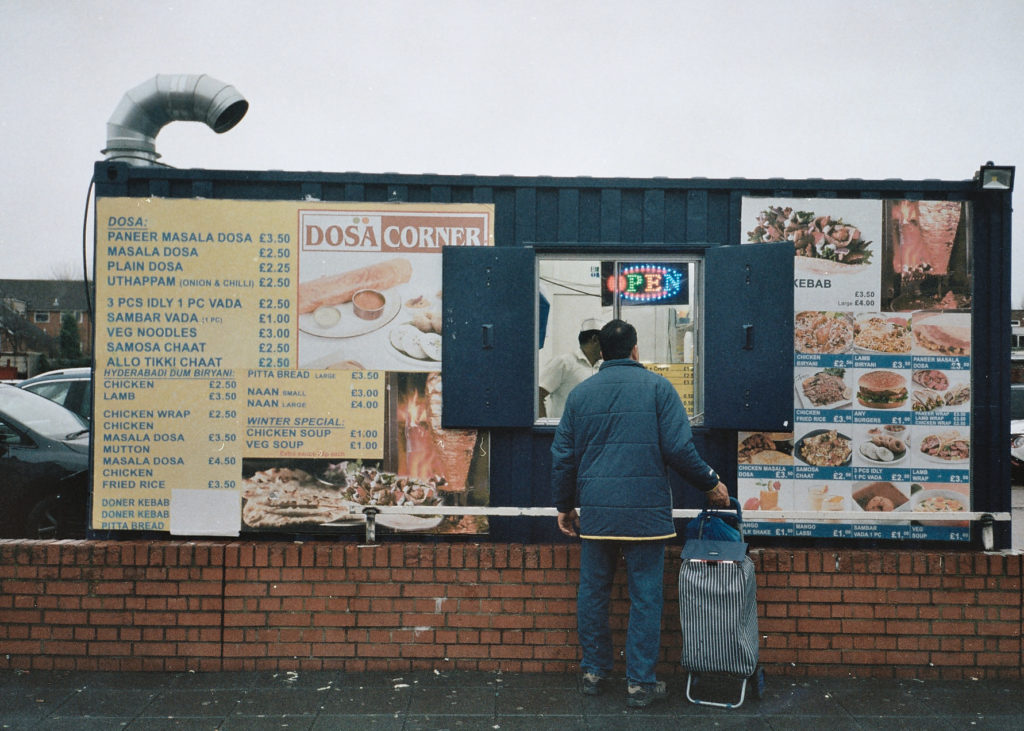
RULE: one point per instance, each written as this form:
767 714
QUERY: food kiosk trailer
271 346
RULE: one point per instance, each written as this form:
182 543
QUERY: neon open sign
643 283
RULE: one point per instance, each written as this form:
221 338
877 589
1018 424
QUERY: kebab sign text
882 369
275 365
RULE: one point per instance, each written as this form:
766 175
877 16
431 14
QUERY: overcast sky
713 88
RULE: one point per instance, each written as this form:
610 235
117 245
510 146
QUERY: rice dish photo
882 335
823 332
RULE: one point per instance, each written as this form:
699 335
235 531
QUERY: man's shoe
640 696
591 684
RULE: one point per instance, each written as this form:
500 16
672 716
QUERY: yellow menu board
680 375
248 348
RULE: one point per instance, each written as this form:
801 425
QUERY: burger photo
882 390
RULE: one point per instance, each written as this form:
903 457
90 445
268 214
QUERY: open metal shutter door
748 340
488 337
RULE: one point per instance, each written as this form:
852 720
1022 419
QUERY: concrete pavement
87 701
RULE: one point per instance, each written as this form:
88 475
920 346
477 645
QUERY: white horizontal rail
799 516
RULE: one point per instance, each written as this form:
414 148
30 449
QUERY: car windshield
46 417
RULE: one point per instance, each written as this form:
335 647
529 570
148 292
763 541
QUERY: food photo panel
381 313
765 448
878 445
939 391
823 495
761 497
875 333
823 388
837 242
881 364
926 256
825 446
878 497
941 333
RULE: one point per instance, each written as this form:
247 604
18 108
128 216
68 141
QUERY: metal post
371 523
987 537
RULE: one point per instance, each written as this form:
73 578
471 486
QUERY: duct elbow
146 109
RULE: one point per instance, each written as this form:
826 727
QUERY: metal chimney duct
146 109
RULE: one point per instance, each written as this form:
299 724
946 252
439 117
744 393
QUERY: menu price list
680 375
142 449
195 346
314 414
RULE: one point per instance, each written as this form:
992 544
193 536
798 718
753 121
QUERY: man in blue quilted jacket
621 431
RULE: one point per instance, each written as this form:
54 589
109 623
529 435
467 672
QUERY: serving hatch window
660 296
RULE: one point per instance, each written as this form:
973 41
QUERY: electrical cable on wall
556 283
85 252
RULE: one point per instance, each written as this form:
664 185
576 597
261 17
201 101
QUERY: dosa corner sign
384 231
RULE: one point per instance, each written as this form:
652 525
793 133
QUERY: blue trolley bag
718 602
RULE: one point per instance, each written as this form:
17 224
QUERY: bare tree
66 272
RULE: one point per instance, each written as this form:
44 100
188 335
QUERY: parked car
69 387
1017 433
44 461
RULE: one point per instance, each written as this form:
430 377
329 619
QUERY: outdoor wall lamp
995 177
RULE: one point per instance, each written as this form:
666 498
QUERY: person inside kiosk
563 373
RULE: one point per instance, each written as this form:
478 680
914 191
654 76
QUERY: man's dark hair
586 336
617 340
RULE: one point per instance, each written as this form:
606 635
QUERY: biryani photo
823 333
878 334
824 448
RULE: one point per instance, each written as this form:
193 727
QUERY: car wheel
12 512
42 520
49 520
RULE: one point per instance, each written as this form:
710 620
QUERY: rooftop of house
45 295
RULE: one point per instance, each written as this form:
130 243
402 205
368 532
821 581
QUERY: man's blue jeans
645 569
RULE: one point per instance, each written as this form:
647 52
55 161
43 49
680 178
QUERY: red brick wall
290 606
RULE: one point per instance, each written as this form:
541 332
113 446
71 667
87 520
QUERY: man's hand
719 497
569 523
